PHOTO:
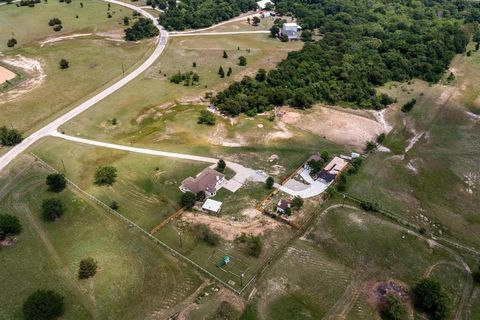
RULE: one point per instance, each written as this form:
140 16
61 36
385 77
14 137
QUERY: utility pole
64 169
180 238
344 197
241 279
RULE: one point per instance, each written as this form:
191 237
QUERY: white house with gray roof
291 29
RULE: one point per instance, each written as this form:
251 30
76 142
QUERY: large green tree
105 176
56 182
44 305
430 297
9 225
52 209
142 28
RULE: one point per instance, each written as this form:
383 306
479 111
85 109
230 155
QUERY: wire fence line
133 224
411 226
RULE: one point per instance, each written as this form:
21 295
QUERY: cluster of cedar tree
364 44
194 14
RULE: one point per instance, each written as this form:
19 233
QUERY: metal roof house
291 29
262 4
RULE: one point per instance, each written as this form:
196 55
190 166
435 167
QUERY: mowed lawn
338 261
135 106
136 278
439 176
95 60
28 25
147 189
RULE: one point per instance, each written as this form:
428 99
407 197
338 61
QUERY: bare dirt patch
230 230
355 218
381 117
33 68
7 242
335 124
6 75
218 138
50 40
283 133
115 35
377 292
155 112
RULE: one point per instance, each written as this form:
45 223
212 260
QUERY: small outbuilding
212 206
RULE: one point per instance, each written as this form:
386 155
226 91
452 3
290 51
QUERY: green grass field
439 176
330 270
94 60
138 105
147 189
34 21
136 278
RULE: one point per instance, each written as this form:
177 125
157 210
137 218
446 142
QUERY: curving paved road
215 25
219 33
54 125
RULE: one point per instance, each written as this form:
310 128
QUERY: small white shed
212 206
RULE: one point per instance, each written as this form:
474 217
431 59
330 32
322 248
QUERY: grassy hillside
136 279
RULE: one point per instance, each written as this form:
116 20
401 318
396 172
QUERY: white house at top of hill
291 29
262 4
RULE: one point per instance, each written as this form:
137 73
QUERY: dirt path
63 38
342 307
228 229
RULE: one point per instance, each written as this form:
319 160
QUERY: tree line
190 14
363 45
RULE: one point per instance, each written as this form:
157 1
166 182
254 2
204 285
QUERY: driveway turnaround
54 125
